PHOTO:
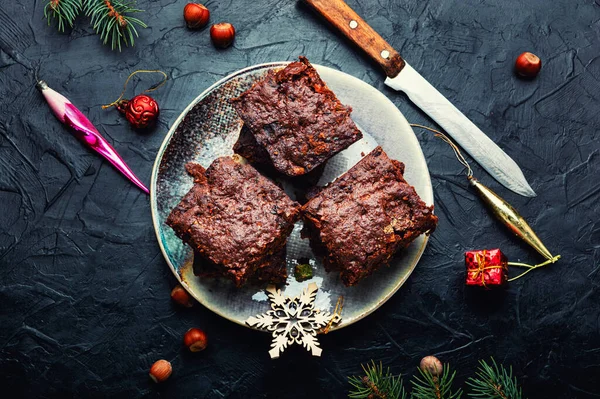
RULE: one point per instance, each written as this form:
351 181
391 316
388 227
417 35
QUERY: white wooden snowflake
293 320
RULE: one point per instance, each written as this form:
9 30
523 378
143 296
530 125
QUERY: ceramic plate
209 127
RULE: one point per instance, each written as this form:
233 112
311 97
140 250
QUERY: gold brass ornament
510 217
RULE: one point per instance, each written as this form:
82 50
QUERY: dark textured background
84 294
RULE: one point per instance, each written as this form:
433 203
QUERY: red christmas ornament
141 111
487 267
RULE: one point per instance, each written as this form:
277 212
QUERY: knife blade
402 77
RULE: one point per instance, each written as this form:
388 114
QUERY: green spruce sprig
429 386
377 384
494 382
111 19
63 11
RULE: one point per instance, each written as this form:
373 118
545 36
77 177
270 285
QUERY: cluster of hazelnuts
194 339
196 16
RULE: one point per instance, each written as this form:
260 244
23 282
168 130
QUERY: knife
402 77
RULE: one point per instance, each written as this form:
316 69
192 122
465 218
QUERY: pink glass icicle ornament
83 129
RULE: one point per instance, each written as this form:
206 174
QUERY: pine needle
431 387
377 384
493 381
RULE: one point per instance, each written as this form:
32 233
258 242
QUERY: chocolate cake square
234 217
359 221
296 118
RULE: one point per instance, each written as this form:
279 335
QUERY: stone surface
84 290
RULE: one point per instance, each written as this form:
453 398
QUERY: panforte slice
234 217
358 222
296 118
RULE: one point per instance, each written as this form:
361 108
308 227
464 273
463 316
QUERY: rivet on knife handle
340 15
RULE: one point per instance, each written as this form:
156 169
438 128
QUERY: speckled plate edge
428 196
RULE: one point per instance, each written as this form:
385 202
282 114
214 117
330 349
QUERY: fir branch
64 11
111 22
429 386
494 382
377 384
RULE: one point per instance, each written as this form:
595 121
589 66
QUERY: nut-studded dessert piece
296 118
359 221
234 217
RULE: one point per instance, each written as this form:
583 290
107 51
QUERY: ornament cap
122 106
41 85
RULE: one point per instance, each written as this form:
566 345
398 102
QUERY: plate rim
154 207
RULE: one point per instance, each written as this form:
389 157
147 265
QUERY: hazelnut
195 339
181 296
196 15
222 34
528 65
161 371
432 365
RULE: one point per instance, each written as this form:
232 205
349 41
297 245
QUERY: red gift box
487 267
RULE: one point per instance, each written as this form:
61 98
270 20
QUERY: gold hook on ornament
455 148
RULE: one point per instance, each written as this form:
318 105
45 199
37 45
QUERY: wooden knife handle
356 29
